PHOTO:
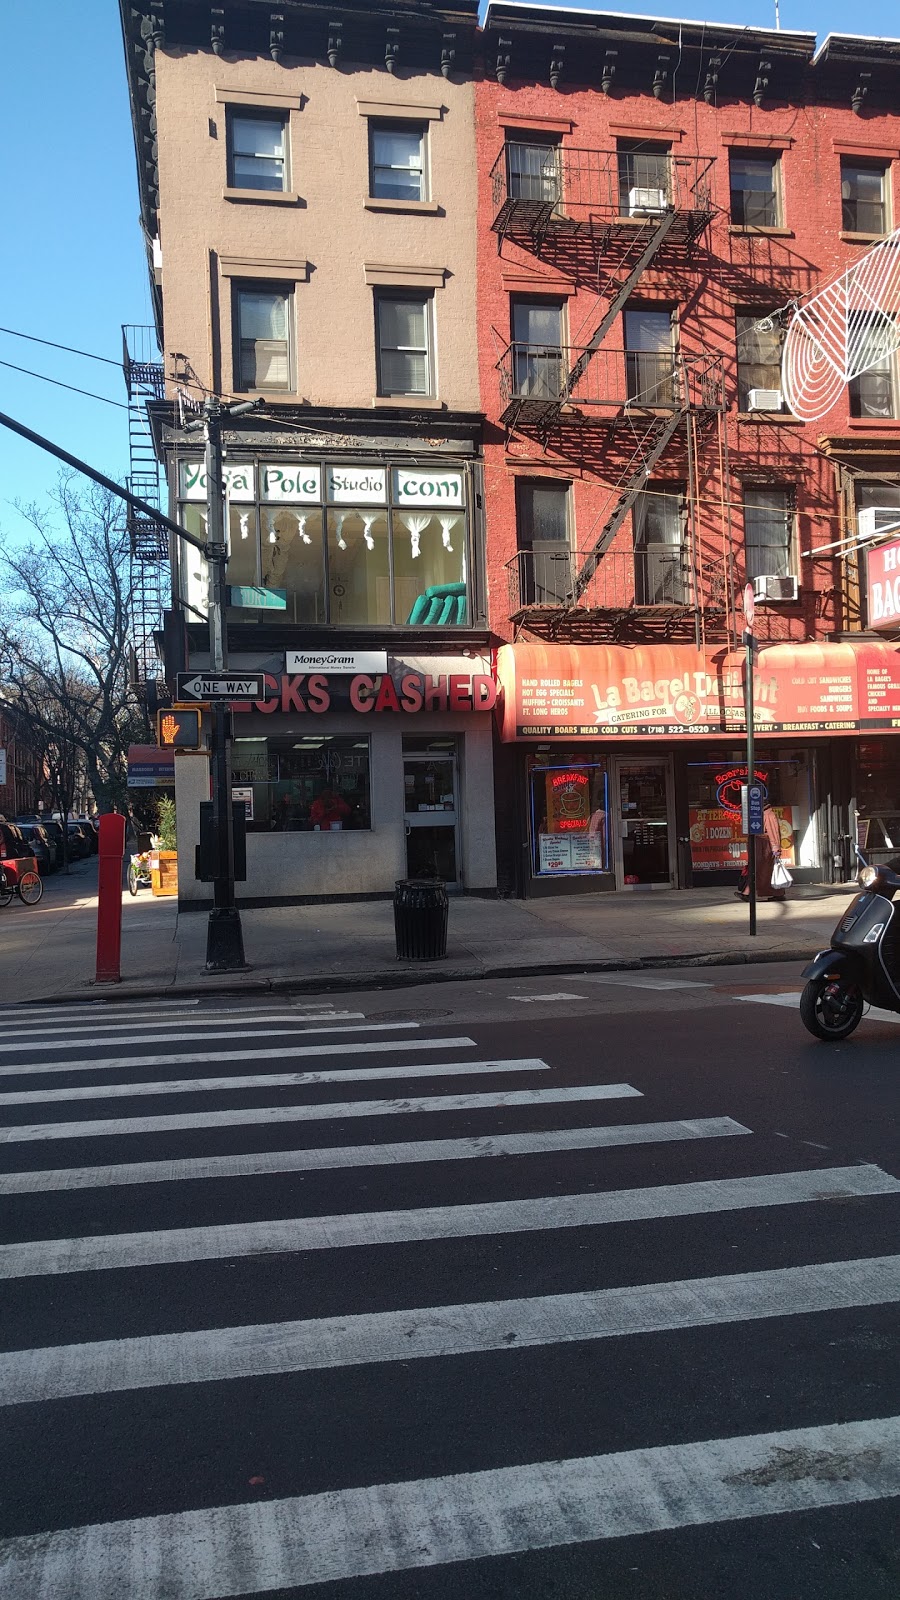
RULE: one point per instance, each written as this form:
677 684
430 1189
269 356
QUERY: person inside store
329 810
768 850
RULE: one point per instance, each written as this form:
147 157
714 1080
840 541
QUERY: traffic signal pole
224 936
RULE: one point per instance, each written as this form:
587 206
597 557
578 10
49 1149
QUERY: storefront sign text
357 486
365 692
336 661
661 691
428 488
297 485
883 586
240 481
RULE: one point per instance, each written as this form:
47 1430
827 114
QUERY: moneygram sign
883 586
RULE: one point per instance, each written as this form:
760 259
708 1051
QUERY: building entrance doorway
430 783
641 803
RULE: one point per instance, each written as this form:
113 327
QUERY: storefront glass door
641 797
430 790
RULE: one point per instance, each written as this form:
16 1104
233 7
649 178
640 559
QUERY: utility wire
59 385
70 350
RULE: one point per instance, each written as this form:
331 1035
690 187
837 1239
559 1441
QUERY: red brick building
655 198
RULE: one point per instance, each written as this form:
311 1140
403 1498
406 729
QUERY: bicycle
27 886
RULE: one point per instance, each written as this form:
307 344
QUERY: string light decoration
847 329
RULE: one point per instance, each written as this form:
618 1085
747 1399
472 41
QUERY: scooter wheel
831 1008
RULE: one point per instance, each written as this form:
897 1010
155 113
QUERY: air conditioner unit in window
647 202
768 587
876 522
765 400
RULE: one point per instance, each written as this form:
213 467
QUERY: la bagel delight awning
676 691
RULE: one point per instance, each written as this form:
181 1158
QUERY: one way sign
221 686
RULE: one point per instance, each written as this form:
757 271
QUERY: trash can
421 910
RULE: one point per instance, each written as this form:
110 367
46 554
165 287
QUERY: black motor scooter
863 965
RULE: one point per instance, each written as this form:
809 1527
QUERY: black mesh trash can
421 910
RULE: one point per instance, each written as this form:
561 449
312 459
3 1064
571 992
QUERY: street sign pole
751 767
224 935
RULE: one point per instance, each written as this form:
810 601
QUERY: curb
406 977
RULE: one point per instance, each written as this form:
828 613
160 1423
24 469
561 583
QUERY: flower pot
164 872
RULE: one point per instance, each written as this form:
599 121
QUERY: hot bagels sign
883 586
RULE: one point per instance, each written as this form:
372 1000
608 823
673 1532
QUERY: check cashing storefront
629 762
358 767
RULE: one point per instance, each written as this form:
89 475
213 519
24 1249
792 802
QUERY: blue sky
72 268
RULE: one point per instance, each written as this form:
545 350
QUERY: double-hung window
644 178
755 189
768 533
403 326
873 346
263 319
258 152
864 197
397 162
543 518
537 348
659 567
533 171
649 356
759 339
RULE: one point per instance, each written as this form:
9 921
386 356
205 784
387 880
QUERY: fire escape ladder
631 485
621 294
144 380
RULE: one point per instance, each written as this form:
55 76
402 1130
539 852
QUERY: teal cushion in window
421 605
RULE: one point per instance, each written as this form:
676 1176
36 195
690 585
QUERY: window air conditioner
876 522
764 400
647 202
768 588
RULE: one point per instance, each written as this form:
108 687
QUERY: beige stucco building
308 189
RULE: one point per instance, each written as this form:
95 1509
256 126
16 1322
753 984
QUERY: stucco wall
282 865
328 226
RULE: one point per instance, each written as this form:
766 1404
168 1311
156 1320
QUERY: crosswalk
299 1334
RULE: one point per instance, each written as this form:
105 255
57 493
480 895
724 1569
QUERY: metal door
430 814
642 809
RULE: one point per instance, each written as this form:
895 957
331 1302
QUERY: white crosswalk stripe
472 1194
368 1155
396 1527
332 1112
284 1052
267 1080
226 1353
115 1250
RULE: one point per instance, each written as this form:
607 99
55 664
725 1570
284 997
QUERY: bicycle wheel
29 888
132 879
6 893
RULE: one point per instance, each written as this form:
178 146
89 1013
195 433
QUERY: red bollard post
110 851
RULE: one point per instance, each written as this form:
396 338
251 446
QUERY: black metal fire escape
145 380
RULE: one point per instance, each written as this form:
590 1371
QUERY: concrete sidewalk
47 952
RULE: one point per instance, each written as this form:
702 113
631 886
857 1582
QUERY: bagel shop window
314 784
329 542
714 807
568 806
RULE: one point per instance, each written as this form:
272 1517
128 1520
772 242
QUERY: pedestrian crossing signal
178 730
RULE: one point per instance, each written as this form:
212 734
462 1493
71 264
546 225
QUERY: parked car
43 850
53 830
13 844
91 827
79 844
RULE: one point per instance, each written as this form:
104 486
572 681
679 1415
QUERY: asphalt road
583 1288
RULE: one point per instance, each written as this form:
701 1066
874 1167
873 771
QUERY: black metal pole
751 776
224 936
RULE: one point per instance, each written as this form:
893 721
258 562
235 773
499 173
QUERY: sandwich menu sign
661 691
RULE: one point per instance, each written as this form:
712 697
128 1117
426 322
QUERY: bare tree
65 632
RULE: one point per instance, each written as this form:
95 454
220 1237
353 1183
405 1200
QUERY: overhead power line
59 385
70 350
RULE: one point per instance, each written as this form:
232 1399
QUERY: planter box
164 872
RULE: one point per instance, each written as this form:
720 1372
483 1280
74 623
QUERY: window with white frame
258 151
533 170
397 162
768 532
874 392
403 329
660 575
262 318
